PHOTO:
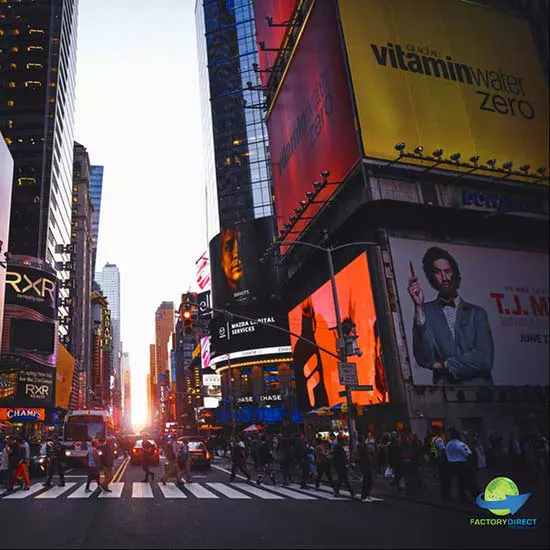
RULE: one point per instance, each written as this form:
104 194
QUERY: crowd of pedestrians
14 463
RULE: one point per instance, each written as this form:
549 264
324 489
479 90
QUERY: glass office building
238 174
37 100
96 185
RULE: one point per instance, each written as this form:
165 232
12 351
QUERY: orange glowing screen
316 372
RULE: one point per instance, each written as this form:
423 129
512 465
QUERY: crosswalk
207 490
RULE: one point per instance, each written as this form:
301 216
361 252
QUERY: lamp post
341 348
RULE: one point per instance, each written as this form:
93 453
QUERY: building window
35 48
14 49
11 84
11 102
13 66
33 83
8 140
35 66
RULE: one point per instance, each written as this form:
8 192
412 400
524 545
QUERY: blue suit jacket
469 355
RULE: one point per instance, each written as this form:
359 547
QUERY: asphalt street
210 512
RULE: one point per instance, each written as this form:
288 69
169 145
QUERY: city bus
80 427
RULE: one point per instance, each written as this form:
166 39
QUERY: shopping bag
388 474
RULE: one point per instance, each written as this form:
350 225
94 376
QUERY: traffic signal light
187 321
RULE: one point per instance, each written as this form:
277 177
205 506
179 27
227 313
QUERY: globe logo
501 497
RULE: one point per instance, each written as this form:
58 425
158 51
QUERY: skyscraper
109 280
238 175
96 187
37 96
79 338
164 327
126 415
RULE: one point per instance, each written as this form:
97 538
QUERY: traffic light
187 321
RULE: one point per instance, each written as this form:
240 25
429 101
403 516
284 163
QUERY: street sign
347 373
356 388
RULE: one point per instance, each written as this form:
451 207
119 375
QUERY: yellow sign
63 377
446 74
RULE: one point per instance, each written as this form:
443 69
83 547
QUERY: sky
138 114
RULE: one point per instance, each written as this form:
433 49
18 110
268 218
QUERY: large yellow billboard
64 377
446 74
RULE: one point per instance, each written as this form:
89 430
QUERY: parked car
38 463
199 455
137 452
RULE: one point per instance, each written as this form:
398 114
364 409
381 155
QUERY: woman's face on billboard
231 261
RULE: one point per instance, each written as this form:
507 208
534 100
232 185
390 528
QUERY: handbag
388 474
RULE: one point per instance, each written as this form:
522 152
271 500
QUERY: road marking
320 494
199 491
121 470
74 475
81 491
116 489
228 491
266 495
25 494
347 494
291 494
171 490
54 492
141 489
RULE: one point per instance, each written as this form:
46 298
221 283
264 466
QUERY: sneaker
258 482
26 488
106 489
366 499
87 490
62 484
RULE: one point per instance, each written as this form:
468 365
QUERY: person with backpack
340 463
171 466
265 461
147 460
107 460
93 466
55 452
238 459
183 463
322 462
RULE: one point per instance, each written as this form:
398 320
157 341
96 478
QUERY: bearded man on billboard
450 336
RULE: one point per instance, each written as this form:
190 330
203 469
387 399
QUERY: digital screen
31 335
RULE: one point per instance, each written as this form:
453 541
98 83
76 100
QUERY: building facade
126 413
109 280
99 384
164 327
402 191
96 187
37 96
236 148
78 340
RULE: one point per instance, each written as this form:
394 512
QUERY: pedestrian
340 463
265 461
254 451
183 463
286 458
93 466
107 462
439 455
238 459
395 461
322 462
147 459
171 466
458 454
302 460
22 471
4 464
365 454
55 453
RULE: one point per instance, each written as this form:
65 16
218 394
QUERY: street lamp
342 348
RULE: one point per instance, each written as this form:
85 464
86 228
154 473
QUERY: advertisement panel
25 385
311 126
15 415
213 387
64 377
473 316
450 75
238 277
203 271
6 177
280 12
239 340
316 372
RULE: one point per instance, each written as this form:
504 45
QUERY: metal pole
231 399
341 347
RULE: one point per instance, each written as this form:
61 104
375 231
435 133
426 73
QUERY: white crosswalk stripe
116 489
170 490
199 491
25 494
256 491
81 491
319 493
229 492
292 494
54 492
141 490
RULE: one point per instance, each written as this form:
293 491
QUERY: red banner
280 11
311 127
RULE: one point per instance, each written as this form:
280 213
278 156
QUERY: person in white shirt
458 454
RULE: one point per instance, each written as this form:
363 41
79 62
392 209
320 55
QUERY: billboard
420 69
6 177
238 340
311 126
203 271
205 352
315 371
23 384
472 315
64 377
238 277
272 36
